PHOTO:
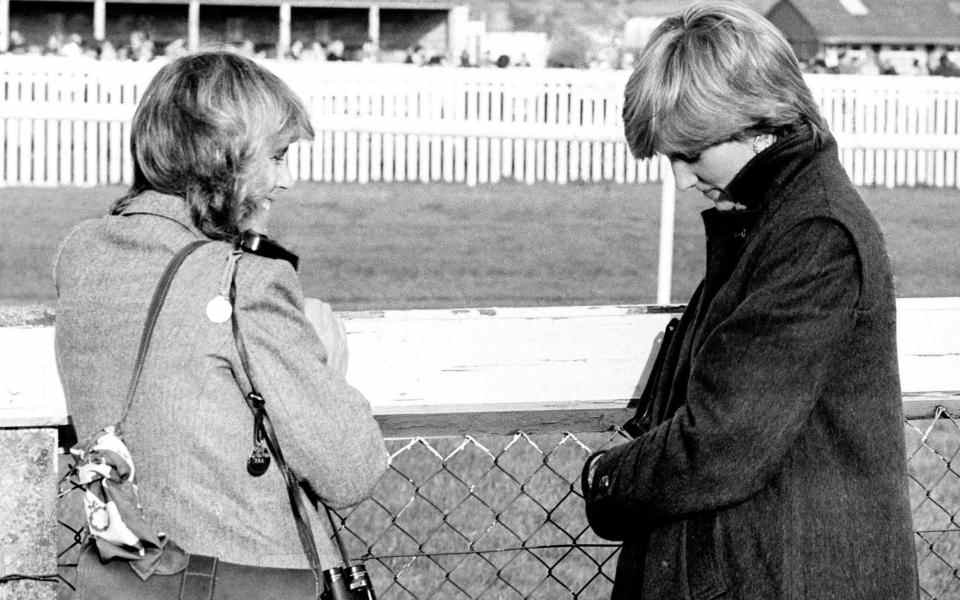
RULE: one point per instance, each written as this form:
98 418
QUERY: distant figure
465 58
107 51
767 459
296 50
16 43
146 52
73 47
815 64
317 52
135 44
870 65
247 48
917 67
335 51
416 56
523 61
54 44
368 52
90 49
175 49
946 67
848 64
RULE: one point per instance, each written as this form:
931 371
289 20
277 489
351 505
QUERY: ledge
499 370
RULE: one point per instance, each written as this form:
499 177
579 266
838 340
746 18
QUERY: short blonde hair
204 128
717 71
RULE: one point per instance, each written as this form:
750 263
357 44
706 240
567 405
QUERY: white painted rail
517 363
66 121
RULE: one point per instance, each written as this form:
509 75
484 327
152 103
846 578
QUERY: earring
762 142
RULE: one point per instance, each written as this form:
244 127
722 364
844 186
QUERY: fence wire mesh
501 517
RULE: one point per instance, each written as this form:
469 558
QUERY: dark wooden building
386 24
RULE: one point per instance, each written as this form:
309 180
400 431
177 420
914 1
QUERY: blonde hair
717 71
204 128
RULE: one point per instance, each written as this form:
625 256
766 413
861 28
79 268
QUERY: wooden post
193 25
457 19
283 40
4 25
373 26
668 201
99 20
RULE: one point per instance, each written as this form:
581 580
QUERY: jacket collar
762 179
175 208
167 206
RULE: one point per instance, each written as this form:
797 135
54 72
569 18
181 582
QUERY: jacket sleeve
324 425
754 381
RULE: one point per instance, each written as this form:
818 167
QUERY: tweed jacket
774 463
190 430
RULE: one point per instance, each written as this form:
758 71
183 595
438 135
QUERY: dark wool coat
774 467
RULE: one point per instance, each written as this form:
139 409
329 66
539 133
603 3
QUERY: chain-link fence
501 516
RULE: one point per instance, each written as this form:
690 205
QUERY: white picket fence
66 122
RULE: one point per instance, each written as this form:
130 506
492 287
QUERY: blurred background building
839 36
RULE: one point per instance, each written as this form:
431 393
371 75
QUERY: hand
332 334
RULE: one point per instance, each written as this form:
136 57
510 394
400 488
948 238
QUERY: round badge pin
219 309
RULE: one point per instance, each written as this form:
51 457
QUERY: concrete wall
28 526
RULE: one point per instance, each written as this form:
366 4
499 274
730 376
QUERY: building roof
362 4
882 21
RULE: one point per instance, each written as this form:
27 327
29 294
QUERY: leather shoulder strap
295 486
156 303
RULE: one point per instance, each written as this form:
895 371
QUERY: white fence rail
66 122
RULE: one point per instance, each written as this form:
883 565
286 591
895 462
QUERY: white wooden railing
66 121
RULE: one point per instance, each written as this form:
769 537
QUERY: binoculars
347 583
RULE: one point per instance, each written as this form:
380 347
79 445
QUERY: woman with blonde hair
768 457
209 141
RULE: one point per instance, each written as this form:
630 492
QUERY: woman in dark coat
770 460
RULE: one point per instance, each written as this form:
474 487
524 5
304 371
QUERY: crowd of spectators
140 47
872 62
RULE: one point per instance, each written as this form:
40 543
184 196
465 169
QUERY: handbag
123 558
642 419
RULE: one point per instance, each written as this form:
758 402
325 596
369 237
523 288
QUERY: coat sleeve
754 381
325 426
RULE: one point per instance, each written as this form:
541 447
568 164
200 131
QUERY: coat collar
167 206
175 208
762 179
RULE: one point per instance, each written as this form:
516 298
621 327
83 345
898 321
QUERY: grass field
412 245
